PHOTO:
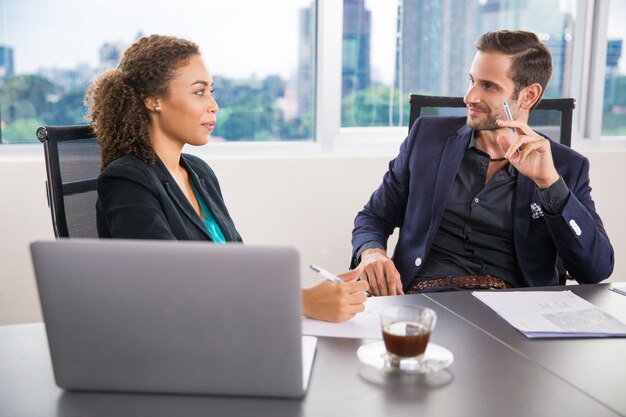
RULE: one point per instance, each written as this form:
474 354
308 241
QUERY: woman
143 113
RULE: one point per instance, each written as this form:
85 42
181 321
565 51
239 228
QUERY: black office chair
552 117
72 166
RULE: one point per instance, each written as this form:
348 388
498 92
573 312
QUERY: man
483 202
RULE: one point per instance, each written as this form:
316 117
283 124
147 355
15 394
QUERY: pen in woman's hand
332 277
324 273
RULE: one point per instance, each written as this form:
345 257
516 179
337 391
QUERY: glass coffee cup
406 332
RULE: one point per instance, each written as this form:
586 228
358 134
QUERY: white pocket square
536 211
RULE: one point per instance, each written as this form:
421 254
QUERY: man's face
489 86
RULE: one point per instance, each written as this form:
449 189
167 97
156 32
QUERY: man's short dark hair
531 61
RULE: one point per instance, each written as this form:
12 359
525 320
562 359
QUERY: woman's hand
335 302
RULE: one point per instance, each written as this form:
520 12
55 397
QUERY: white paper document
365 325
619 287
552 314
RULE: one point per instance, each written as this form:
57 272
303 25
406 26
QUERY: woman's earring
157 109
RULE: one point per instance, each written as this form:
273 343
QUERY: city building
7 64
356 66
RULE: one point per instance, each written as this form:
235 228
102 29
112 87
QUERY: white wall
308 202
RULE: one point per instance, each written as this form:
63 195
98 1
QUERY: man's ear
530 95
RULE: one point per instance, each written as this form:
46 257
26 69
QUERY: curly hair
531 61
118 115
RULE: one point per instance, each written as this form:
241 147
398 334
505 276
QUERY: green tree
26 97
370 107
249 109
21 131
69 109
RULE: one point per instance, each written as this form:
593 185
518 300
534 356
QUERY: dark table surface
490 376
596 366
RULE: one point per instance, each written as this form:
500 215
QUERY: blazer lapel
220 217
451 158
525 193
177 196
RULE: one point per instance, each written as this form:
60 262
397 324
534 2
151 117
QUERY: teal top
209 221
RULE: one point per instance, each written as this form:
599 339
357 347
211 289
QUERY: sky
237 41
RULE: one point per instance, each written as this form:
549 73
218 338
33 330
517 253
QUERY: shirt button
468 229
476 200
418 261
484 163
553 200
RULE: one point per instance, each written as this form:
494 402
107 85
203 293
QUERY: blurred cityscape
433 52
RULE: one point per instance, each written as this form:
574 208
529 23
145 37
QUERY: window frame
330 138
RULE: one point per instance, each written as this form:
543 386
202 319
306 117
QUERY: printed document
552 314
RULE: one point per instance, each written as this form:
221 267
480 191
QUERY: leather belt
462 281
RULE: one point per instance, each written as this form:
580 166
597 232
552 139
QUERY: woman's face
187 114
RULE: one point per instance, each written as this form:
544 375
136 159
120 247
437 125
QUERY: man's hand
530 153
380 272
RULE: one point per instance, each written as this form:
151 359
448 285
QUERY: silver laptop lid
172 317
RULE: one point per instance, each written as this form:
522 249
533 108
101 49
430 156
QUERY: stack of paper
552 314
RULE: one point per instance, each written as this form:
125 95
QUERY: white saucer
436 358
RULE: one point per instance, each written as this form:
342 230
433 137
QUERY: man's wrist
554 198
371 244
547 183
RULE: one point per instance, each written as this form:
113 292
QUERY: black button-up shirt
476 232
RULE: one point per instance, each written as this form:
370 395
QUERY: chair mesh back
552 117
80 160
80 214
73 165
547 122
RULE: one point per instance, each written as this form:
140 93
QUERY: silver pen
507 111
332 277
324 273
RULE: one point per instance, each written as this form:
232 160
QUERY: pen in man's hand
509 116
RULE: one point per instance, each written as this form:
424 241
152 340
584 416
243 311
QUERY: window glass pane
427 46
261 54
614 116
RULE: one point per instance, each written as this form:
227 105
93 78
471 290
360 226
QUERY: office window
398 47
261 54
614 114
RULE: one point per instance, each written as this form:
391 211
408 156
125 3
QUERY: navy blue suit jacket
415 191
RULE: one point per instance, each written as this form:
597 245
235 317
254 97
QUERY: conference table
497 371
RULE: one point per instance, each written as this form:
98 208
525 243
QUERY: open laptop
173 317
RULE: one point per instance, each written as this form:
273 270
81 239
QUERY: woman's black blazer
139 201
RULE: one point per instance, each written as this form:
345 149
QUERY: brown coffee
406 339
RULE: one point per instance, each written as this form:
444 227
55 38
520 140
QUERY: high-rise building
357 27
110 54
306 61
437 38
555 29
7 65
613 55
